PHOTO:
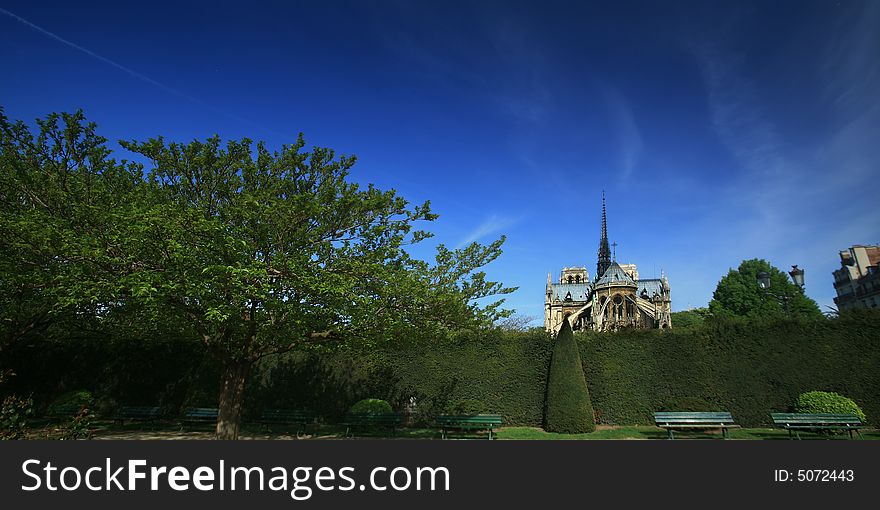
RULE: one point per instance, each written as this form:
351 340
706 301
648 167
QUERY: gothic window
577 279
570 279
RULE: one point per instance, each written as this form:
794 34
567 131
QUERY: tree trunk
235 374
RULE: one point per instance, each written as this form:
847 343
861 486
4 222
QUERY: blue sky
720 131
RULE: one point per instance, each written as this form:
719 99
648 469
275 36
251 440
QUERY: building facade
857 282
617 298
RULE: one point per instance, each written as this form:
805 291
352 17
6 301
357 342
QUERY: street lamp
764 280
797 276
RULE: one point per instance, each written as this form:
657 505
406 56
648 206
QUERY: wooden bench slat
200 414
794 422
486 422
132 413
670 420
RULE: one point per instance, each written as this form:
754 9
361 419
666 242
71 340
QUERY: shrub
568 401
71 403
466 406
80 427
14 413
371 406
827 402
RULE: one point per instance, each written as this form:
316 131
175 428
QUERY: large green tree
61 200
738 294
252 251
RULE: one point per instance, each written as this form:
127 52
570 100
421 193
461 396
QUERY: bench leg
797 434
347 430
670 434
725 433
490 434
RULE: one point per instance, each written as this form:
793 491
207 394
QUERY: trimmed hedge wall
746 368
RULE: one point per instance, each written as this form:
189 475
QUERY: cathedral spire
604 249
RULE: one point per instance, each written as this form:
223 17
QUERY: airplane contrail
133 73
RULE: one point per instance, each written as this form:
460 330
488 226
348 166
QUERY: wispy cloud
135 74
849 63
491 225
629 138
785 200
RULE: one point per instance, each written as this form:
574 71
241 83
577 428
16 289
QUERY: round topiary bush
371 406
827 402
569 409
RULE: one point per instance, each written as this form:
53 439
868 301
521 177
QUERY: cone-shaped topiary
569 409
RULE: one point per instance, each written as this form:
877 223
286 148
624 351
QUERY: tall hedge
747 368
569 409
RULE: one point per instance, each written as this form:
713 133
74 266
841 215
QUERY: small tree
569 409
738 294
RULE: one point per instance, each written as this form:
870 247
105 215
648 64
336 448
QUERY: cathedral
617 298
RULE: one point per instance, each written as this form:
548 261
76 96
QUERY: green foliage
71 403
569 409
689 404
371 406
249 251
61 205
466 406
79 427
689 319
14 412
827 402
738 294
749 368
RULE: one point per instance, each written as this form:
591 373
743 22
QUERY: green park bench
64 413
695 420
196 415
288 417
355 421
797 422
448 422
137 413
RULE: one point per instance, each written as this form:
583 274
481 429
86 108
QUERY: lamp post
797 276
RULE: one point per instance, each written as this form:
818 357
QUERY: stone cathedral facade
617 298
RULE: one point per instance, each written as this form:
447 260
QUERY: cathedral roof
615 276
650 286
579 291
